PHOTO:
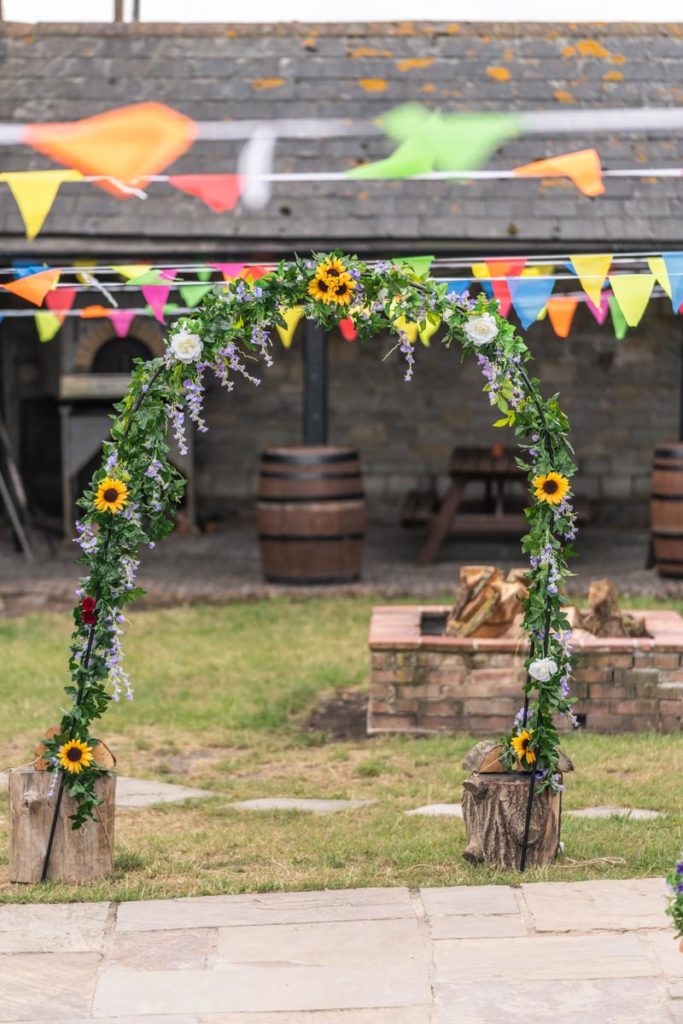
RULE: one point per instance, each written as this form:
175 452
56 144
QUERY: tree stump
494 808
77 856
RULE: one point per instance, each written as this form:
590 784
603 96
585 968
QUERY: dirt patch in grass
342 716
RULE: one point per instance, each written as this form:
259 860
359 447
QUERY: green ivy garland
133 495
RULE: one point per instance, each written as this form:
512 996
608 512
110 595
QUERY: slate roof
65 72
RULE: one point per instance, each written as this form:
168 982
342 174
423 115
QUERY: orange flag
92 312
561 309
220 192
33 287
127 144
582 167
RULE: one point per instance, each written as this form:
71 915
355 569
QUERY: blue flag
529 295
673 261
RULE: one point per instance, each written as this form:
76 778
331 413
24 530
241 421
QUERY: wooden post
83 855
494 807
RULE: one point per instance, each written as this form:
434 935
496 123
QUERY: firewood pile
605 617
487 604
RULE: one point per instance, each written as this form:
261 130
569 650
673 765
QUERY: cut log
486 604
605 617
494 808
77 856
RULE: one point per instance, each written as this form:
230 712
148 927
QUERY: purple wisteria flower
86 537
407 350
176 418
194 395
153 471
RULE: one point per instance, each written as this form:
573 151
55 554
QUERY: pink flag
156 295
600 313
229 270
60 300
169 275
121 320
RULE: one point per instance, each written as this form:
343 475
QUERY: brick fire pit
424 683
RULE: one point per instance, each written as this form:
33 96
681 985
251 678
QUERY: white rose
482 329
186 347
543 669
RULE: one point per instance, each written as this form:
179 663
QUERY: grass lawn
221 694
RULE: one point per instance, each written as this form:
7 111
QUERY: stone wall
427 684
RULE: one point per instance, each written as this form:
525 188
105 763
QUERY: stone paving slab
615 905
271 908
438 811
469 899
374 1015
146 792
632 813
45 928
288 803
50 987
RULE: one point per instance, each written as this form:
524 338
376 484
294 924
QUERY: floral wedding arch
133 495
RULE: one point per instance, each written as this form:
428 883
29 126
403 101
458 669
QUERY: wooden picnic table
496 467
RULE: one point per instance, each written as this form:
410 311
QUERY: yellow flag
129 270
411 329
428 330
480 270
47 325
632 292
591 272
34 193
292 317
658 268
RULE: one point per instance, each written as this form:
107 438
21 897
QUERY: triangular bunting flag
204 273
458 285
347 329
599 312
408 328
591 272
126 144
47 325
292 318
254 273
61 299
192 294
502 293
220 192
529 295
94 312
618 322
153 277
420 265
156 295
24 268
428 331
632 292
561 310
582 167
121 319
673 262
133 270
34 288
658 268
230 271
34 193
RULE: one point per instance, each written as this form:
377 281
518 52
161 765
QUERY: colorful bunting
254 273
561 310
34 193
24 268
47 325
432 141
618 322
94 312
632 292
591 271
292 318
132 270
230 271
427 332
529 295
411 330
220 192
582 167
35 287
673 262
599 312
658 268
192 294
61 299
126 144
150 277
420 265
121 319
156 295
458 285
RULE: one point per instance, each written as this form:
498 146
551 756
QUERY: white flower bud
542 669
481 329
186 347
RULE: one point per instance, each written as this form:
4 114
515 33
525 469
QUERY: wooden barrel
311 515
666 509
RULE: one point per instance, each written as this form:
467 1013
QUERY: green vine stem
133 496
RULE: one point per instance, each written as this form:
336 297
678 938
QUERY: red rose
88 613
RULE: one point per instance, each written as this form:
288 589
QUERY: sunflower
551 488
520 745
319 288
74 756
342 290
333 268
111 495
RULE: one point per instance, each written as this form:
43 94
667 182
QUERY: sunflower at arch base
551 488
520 745
111 495
74 756
332 283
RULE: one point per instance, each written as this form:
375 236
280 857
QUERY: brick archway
148 331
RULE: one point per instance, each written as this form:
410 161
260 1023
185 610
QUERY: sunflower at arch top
342 290
319 288
333 268
520 745
74 756
111 495
332 283
551 488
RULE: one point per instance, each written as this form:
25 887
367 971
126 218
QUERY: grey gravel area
224 566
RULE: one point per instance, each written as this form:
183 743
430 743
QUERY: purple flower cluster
229 357
194 396
119 679
548 558
153 471
111 463
176 418
86 537
407 350
260 339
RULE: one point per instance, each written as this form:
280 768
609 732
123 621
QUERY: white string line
551 122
